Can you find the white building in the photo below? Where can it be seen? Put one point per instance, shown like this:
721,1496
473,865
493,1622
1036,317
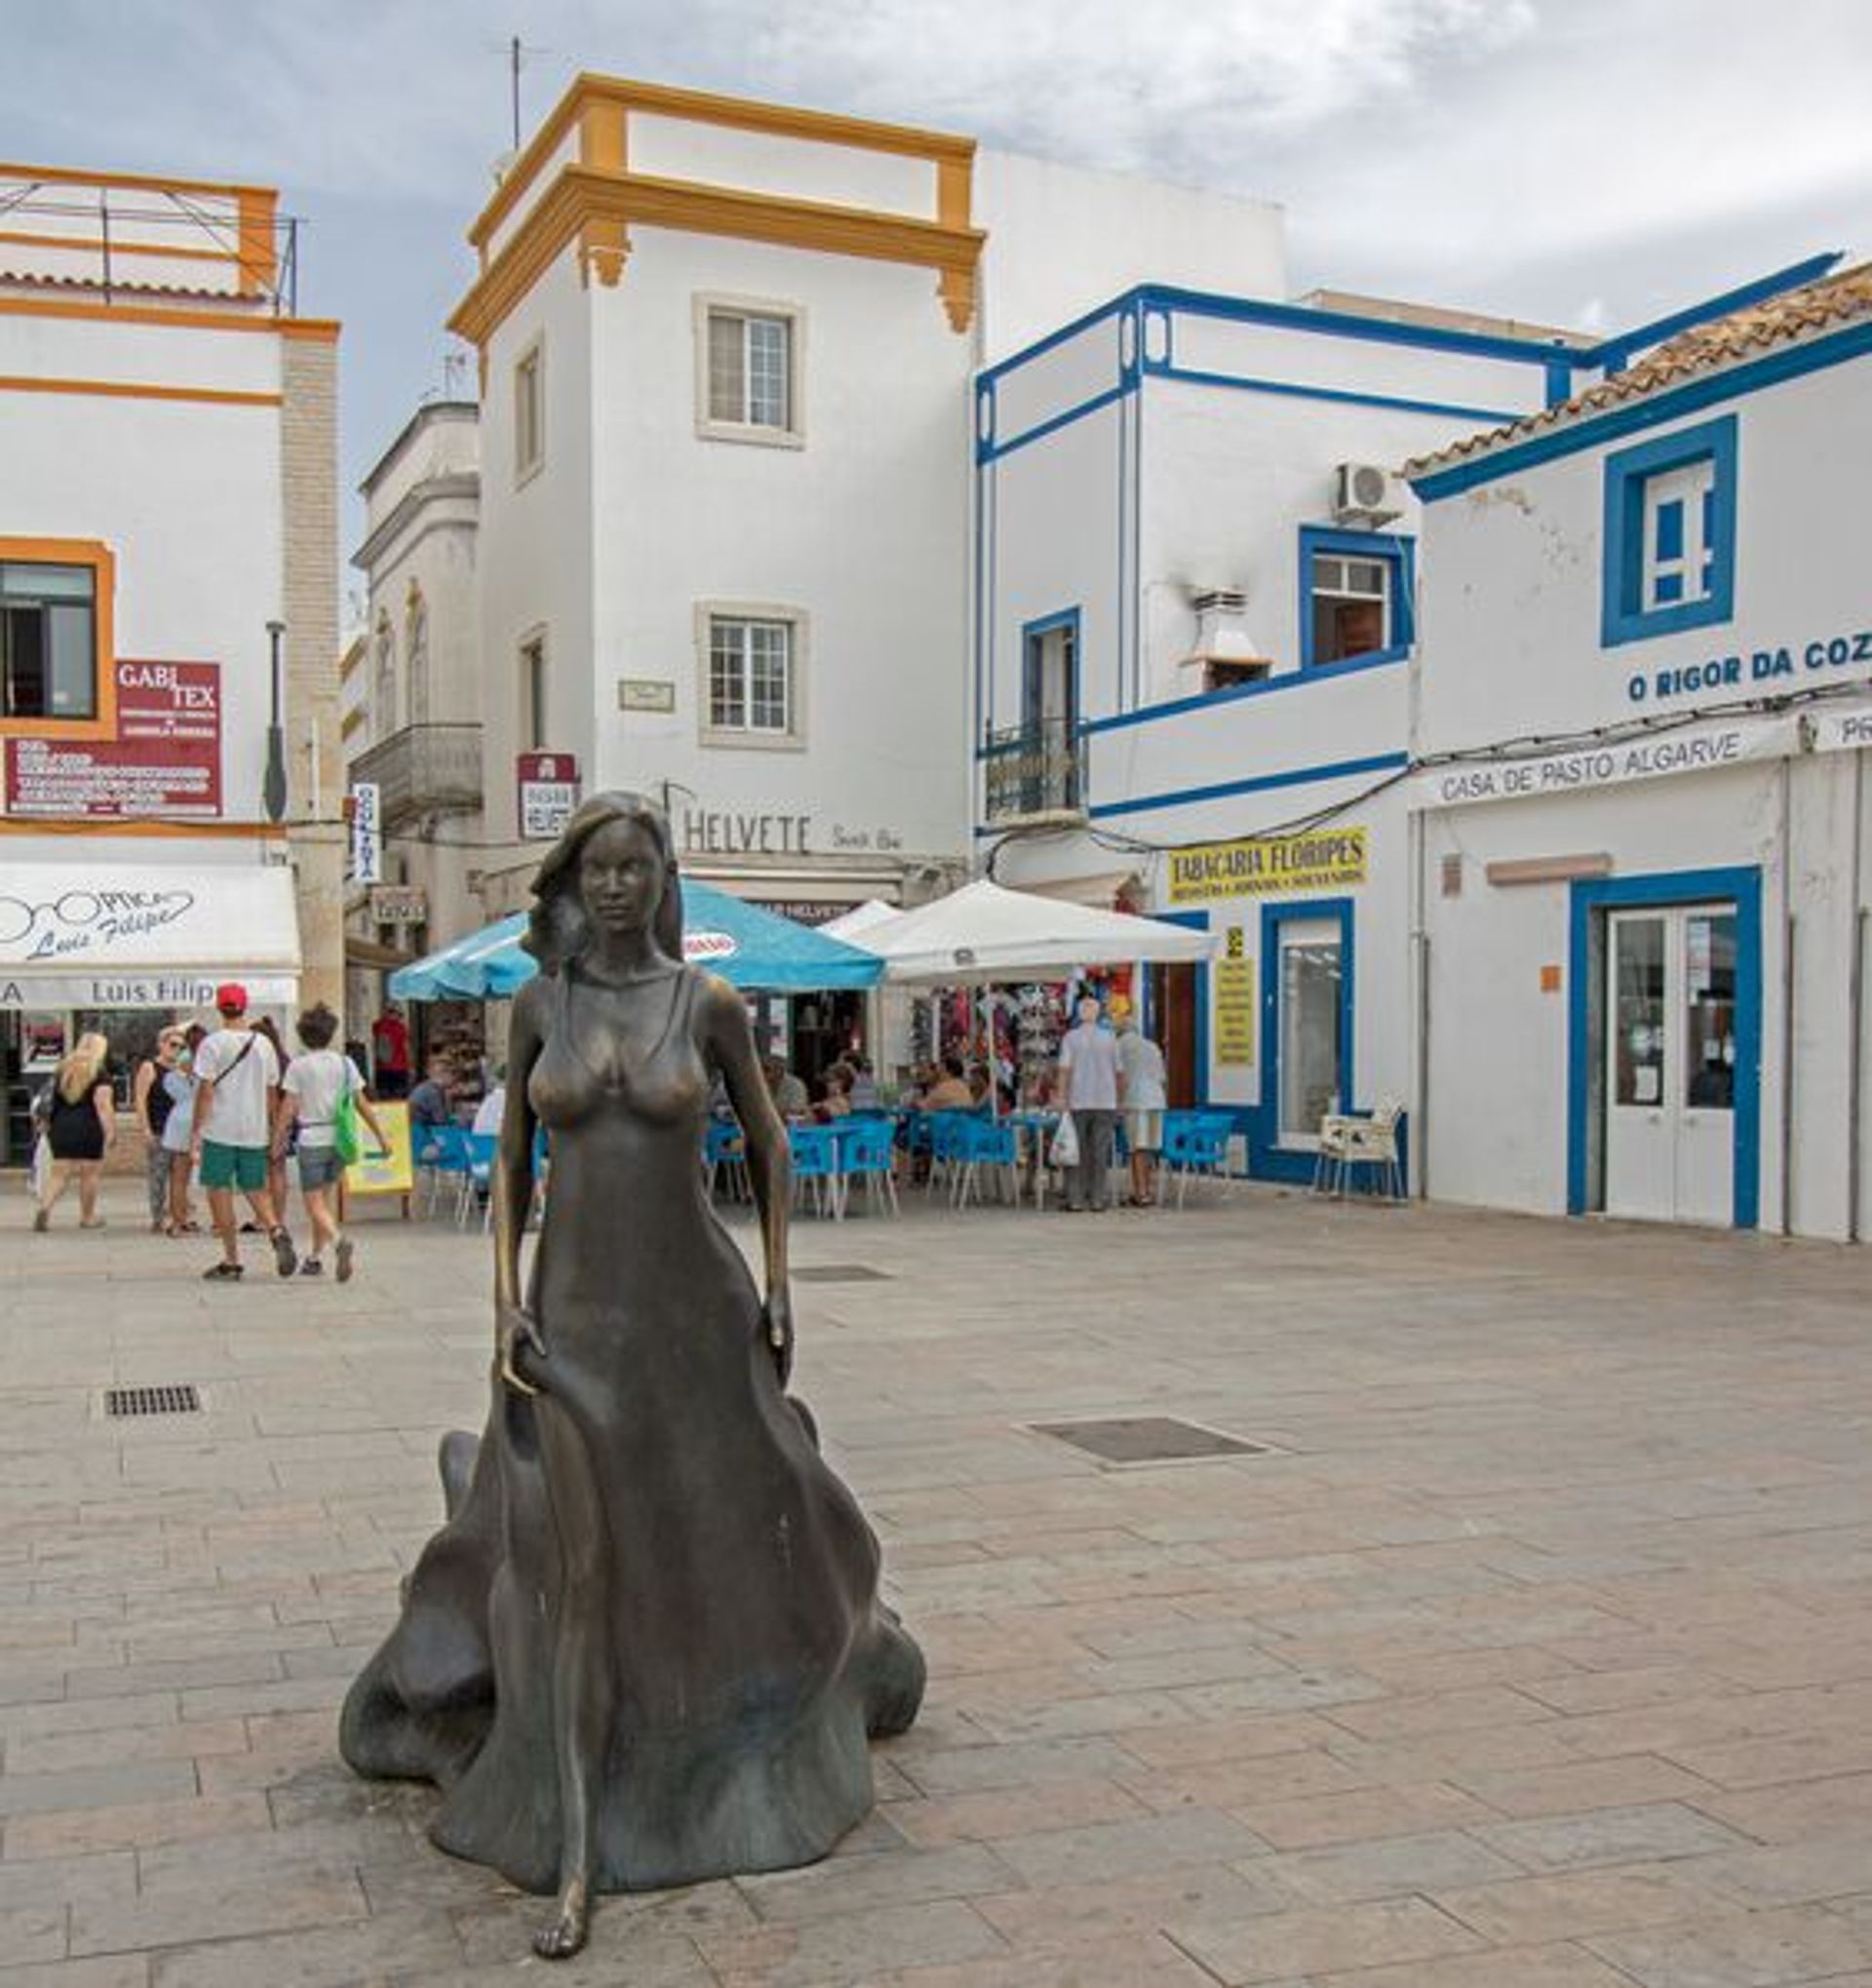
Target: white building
413,693
726,350
167,490
1195,575
1645,924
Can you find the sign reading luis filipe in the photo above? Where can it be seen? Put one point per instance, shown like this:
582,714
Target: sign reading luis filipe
1259,866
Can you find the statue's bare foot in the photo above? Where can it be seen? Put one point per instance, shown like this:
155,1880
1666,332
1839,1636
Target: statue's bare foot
562,1938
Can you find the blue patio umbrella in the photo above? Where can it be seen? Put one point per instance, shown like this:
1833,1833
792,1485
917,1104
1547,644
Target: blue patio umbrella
746,946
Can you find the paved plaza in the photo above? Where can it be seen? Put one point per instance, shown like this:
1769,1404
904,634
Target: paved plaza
1533,1649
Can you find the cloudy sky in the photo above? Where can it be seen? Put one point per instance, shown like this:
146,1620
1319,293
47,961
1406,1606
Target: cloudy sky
1585,162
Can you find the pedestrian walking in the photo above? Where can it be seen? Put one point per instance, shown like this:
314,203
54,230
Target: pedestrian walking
316,1092
178,1130
276,1178
151,1102
81,1124
237,1077
1143,1097
1089,1091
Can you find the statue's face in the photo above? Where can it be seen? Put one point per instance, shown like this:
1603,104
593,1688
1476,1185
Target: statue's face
620,878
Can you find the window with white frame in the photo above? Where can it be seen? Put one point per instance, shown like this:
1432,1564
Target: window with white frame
752,678
533,694
748,359
529,412
1669,551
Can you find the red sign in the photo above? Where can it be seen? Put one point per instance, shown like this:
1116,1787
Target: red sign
548,792
165,758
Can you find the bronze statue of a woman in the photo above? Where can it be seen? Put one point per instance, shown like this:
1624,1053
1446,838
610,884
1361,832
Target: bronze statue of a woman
646,1647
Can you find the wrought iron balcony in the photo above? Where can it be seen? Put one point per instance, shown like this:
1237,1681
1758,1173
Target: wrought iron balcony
424,769
1034,771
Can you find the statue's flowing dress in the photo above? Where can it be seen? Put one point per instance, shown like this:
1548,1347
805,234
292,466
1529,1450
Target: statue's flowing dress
730,1582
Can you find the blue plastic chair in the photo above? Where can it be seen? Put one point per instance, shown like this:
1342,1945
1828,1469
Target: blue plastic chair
987,1143
1196,1142
726,1146
867,1148
947,1132
443,1155
477,1176
815,1158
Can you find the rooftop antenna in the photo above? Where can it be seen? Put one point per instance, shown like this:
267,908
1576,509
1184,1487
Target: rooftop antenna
454,368
516,53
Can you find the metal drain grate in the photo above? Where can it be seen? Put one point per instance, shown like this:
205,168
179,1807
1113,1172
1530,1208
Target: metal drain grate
840,1274
1147,1440
171,1398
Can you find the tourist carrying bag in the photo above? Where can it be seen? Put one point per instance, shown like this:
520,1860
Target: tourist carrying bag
347,1135
1064,1151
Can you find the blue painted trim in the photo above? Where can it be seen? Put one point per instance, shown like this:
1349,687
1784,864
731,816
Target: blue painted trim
1053,340
1398,549
1294,391
993,451
1260,783
1621,618
1742,886
1613,353
1208,700
1371,330
1633,417
1268,1159
1559,384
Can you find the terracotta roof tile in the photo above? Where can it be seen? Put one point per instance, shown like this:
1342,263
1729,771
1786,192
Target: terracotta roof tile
1796,314
192,292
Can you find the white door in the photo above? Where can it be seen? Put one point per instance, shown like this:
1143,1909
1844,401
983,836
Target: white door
1670,1058
1311,1047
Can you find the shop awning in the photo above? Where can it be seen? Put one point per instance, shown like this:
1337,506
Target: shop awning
373,955
78,934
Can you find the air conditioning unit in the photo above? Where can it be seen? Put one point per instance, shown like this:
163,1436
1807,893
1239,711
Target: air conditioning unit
1366,493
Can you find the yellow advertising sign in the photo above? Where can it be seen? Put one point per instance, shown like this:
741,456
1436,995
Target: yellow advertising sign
1235,984
384,1173
1267,866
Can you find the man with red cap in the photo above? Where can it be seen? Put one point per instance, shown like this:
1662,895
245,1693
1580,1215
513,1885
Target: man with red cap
237,1087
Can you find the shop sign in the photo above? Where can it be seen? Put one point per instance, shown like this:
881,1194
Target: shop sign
723,832
646,693
177,992
801,911
400,904
547,794
1266,866
1841,731
1705,749
1234,987
367,833
165,758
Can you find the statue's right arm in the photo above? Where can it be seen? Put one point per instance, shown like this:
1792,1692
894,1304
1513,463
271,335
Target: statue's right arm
512,1183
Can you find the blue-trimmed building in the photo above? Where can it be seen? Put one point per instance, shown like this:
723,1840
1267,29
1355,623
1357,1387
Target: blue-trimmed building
1216,636
1642,927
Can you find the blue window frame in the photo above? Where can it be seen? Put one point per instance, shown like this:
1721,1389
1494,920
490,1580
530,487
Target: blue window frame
1669,551
1357,597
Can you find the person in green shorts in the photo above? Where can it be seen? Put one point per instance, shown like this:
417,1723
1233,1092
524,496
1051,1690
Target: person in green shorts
237,1083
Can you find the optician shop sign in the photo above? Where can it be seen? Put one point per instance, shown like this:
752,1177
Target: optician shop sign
1705,748
1264,866
165,758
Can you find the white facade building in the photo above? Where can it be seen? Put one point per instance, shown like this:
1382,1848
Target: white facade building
1196,584
726,352
1645,925
167,491
413,690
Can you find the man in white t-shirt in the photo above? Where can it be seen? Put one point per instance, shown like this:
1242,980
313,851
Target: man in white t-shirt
237,1077
1089,1090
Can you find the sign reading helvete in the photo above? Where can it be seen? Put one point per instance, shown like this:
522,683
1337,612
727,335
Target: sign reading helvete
400,904
165,758
547,794
1264,866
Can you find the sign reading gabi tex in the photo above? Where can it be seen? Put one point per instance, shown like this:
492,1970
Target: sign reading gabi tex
1262,866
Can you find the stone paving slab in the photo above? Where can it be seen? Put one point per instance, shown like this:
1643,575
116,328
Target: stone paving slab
1535,1653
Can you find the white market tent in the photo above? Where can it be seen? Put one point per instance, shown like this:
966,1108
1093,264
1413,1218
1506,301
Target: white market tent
985,933
851,925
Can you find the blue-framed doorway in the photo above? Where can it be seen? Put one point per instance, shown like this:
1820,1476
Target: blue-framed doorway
1268,1159
1592,900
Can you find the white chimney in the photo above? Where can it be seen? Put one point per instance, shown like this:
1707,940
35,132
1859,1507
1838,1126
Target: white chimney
1223,637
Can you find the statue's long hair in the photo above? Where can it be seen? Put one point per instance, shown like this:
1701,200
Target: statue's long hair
557,929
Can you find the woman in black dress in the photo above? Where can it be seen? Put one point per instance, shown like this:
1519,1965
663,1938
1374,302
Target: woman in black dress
647,1647
81,1125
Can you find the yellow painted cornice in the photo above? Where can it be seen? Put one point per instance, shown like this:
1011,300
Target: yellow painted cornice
589,92
580,196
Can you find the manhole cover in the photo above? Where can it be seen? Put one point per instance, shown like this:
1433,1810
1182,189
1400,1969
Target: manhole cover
1147,1440
840,1274
171,1398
